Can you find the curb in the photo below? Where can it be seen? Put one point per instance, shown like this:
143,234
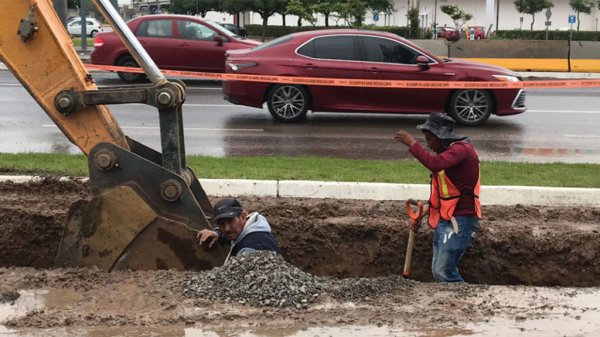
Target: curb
490,195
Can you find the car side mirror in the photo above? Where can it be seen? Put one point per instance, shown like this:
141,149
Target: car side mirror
218,39
423,62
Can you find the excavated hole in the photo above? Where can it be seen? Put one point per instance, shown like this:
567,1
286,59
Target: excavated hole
543,246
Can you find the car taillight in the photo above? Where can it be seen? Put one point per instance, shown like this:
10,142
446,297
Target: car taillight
240,66
98,42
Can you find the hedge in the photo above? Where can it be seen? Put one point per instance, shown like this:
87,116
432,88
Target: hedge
277,31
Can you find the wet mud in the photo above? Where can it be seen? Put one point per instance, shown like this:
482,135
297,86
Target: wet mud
518,253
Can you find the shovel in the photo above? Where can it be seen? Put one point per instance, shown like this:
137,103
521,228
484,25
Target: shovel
415,220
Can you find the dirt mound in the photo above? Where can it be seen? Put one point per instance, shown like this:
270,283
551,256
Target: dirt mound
347,238
546,246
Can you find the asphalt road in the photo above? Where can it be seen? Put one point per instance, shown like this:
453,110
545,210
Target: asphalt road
560,125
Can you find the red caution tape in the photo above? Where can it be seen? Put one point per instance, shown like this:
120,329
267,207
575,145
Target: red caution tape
364,82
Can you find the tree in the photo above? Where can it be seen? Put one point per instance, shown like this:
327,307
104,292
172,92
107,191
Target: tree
413,22
264,8
325,7
303,9
194,7
581,6
353,11
532,7
457,15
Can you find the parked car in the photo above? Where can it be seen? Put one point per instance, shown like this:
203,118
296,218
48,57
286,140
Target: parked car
178,42
241,31
448,33
370,55
478,31
92,27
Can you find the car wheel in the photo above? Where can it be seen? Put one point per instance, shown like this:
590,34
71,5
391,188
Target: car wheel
93,33
471,107
288,103
128,61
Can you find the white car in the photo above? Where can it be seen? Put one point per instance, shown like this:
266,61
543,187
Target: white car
92,27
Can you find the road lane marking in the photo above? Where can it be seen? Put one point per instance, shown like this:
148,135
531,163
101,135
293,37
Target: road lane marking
566,111
582,136
189,129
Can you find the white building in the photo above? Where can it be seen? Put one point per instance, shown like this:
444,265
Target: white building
502,14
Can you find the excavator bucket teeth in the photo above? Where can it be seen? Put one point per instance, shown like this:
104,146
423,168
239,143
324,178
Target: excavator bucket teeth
118,230
127,225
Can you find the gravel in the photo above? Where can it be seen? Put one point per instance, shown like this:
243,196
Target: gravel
266,279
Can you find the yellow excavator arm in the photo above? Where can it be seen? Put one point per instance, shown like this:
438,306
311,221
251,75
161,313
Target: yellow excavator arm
35,46
146,206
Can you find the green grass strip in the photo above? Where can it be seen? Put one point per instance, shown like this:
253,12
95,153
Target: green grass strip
324,169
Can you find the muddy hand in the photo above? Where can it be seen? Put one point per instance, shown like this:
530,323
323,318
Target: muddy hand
405,137
207,235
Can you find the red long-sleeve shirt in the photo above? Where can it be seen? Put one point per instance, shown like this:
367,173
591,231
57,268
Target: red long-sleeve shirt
461,164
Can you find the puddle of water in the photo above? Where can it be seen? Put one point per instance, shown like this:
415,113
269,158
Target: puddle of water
569,312
294,331
36,299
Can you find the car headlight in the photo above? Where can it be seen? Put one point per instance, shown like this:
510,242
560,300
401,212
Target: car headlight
506,78
240,66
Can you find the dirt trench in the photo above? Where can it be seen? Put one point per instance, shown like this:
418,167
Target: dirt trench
516,245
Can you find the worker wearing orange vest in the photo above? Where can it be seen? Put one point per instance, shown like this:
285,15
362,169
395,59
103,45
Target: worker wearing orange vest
454,207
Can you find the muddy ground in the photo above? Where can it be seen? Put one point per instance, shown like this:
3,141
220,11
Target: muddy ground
531,270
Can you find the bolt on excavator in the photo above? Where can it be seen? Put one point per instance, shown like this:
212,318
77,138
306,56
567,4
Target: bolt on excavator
145,206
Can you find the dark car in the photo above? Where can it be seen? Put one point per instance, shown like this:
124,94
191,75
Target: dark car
370,55
448,33
238,30
178,42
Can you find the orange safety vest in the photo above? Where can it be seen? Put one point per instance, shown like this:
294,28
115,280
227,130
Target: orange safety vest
444,197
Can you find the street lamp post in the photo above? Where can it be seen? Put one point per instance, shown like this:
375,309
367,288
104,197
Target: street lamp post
434,33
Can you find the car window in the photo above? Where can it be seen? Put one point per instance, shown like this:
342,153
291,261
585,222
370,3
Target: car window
387,51
274,42
340,47
155,28
221,29
192,30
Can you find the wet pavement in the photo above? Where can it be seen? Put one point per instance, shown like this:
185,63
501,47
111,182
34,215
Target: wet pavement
559,126
582,318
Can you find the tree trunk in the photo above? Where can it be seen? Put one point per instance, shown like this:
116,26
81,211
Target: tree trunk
532,20
299,22
578,22
264,28
327,20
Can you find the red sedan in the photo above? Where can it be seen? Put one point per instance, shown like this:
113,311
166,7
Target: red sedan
178,42
372,55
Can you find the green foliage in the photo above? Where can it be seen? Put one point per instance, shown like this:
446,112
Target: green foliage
304,9
353,12
324,169
458,16
193,7
413,22
264,8
581,6
532,7
277,31
541,35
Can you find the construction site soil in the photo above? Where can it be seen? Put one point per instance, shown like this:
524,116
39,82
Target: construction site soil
531,270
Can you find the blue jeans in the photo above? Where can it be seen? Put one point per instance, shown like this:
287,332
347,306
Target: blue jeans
449,247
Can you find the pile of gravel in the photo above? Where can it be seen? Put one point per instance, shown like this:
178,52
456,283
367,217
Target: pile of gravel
9,297
266,279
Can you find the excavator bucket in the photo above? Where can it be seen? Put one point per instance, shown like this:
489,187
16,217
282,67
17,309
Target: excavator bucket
133,221
145,207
